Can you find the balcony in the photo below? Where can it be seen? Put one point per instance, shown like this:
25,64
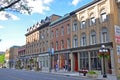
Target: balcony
118,3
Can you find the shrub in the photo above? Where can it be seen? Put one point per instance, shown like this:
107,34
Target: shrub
92,72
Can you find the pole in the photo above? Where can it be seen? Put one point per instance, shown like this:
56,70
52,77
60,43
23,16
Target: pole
104,73
50,62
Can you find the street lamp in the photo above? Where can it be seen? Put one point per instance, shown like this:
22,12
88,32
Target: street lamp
103,52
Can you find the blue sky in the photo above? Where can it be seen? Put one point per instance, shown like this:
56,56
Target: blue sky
12,31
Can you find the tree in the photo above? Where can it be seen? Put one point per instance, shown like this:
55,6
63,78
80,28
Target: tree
21,6
9,7
2,58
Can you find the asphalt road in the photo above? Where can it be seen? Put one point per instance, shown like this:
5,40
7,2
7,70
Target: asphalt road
13,74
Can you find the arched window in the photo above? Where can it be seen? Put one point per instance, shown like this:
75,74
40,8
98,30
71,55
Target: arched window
57,32
83,39
93,38
82,23
92,19
75,41
62,44
104,35
57,45
103,15
68,43
75,26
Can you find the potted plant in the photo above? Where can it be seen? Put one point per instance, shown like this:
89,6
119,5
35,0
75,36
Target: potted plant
92,74
118,78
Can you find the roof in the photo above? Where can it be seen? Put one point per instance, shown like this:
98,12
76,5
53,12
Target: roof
60,19
83,7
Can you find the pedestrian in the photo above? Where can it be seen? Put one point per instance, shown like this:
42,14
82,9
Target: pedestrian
69,67
56,67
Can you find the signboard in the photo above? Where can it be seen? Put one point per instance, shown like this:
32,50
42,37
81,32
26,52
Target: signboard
52,51
117,34
118,50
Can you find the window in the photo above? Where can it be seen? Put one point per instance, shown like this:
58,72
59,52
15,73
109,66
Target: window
93,38
83,39
104,35
42,36
56,32
62,44
46,44
83,24
62,31
75,26
95,61
52,34
92,21
75,42
68,43
52,46
103,17
56,45
84,63
68,29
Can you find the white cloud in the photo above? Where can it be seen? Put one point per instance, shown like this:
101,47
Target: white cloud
39,6
47,1
1,27
75,2
6,16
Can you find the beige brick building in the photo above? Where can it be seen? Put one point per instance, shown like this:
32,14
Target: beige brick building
94,25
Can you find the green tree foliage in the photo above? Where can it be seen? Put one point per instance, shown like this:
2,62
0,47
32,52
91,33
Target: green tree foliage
2,58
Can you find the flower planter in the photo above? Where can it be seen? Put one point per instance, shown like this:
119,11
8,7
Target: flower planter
92,75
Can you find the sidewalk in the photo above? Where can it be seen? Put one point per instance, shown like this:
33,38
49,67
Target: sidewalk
76,74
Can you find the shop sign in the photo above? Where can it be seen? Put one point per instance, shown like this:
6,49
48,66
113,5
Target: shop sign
118,50
117,34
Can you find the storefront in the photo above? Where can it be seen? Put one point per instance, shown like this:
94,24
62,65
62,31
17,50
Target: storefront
87,58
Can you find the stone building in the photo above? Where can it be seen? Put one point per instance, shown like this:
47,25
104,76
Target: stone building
37,43
11,56
93,25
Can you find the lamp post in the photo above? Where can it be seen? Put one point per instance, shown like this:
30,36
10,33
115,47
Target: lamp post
103,52
51,52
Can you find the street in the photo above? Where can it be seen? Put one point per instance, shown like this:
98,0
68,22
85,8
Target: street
13,74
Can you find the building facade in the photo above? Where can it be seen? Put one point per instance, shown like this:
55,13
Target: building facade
11,56
38,43
77,38
60,41
94,25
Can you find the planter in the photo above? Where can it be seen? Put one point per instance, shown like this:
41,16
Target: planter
118,78
92,75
